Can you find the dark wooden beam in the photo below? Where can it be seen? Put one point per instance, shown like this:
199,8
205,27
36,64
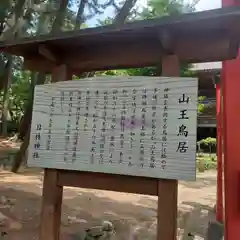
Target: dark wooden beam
140,54
111,182
202,48
47,53
39,64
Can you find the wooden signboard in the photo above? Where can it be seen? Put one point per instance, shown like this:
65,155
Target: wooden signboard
139,126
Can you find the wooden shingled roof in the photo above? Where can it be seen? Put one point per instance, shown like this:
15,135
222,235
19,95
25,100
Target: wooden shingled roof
196,37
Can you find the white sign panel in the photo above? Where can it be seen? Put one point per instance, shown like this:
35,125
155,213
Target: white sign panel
139,126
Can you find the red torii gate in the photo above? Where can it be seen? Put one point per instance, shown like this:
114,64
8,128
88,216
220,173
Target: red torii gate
228,119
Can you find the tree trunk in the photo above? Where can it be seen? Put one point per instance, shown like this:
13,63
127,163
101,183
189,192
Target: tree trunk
6,95
21,153
80,18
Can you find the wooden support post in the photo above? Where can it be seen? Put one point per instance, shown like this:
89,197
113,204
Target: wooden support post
168,189
52,192
61,73
51,206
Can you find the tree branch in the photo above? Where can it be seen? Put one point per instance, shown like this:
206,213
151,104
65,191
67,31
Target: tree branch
80,17
56,27
120,19
124,12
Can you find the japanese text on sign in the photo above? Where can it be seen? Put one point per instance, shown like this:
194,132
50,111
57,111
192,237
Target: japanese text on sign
141,126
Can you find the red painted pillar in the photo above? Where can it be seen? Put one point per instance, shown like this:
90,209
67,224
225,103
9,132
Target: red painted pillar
231,121
219,205
231,143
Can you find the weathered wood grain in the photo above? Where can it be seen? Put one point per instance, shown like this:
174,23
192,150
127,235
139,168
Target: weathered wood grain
67,142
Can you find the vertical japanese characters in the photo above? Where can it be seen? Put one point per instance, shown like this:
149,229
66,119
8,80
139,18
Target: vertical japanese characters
86,101
113,127
182,129
132,124
51,108
103,129
154,126
93,128
76,135
136,128
143,127
164,128
37,144
68,127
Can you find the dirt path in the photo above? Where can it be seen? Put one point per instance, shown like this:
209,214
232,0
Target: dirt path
20,201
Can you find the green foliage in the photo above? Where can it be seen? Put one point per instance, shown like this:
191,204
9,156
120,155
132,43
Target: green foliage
19,94
208,142
206,162
147,71
112,73
159,8
201,106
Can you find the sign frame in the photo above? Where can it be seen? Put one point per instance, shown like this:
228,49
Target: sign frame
158,141
55,180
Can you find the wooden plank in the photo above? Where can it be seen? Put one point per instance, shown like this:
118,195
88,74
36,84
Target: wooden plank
96,135
168,189
111,182
51,206
52,192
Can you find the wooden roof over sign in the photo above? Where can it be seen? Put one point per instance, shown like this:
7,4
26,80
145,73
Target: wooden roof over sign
196,37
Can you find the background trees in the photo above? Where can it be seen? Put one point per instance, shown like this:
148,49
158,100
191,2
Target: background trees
21,18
